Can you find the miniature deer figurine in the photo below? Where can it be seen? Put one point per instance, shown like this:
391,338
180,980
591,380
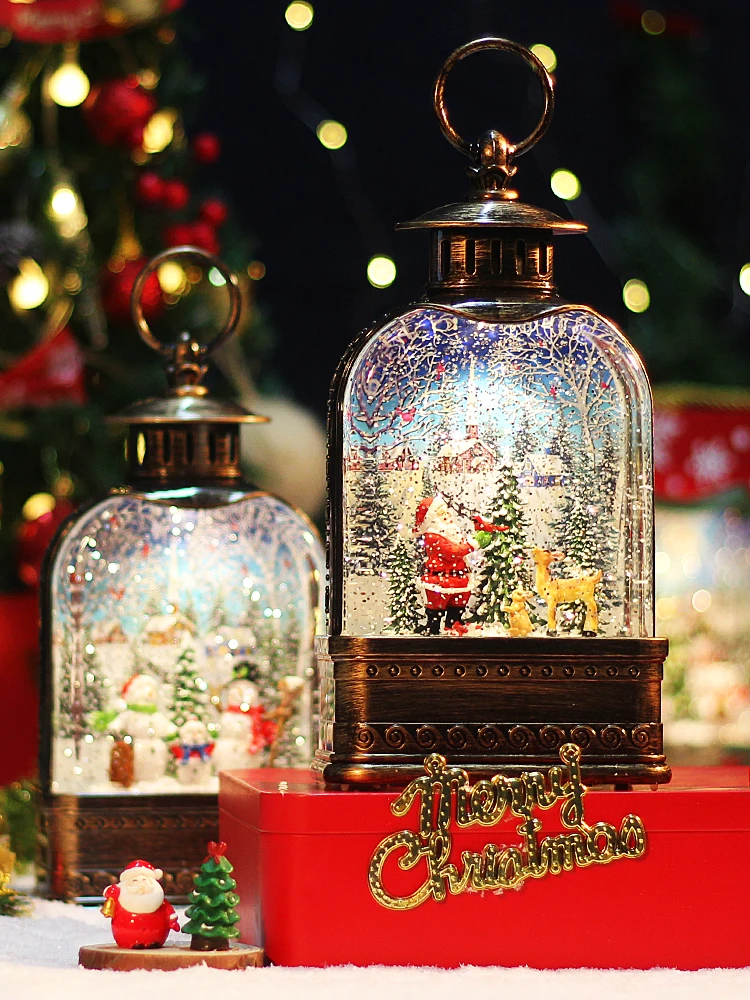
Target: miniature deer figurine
565,591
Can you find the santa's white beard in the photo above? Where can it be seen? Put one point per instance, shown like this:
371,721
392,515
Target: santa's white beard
137,902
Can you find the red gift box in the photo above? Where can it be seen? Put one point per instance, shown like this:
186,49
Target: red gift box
301,854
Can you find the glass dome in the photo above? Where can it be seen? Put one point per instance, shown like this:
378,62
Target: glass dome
453,427
158,607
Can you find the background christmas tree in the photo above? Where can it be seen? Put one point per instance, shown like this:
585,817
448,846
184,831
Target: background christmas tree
90,188
406,605
502,571
212,914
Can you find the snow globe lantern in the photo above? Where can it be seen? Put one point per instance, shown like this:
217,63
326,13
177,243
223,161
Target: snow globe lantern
159,597
490,520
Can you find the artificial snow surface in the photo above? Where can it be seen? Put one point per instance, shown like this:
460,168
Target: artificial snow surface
38,961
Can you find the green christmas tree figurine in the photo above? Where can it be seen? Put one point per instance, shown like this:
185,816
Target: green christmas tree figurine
212,903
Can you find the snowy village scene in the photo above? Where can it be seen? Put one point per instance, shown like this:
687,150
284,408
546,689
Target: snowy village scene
181,644
495,482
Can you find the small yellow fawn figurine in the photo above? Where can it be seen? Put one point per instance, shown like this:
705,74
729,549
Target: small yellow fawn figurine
518,616
565,591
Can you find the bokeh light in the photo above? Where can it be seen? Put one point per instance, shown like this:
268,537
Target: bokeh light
68,86
299,15
331,134
381,271
635,295
546,56
565,185
30,287
745,278
653,22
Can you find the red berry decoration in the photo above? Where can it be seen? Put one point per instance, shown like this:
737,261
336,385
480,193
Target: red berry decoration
117,286
179,235
176,195
117,111
214,212
204,236
206,148
150,188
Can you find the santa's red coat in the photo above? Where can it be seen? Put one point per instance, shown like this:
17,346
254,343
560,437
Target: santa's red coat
140,930
445,568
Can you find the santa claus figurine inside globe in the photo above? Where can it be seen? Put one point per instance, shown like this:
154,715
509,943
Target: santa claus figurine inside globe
447,581
141,917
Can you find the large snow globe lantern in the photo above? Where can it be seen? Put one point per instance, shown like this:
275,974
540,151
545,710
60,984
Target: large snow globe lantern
152,594
490,535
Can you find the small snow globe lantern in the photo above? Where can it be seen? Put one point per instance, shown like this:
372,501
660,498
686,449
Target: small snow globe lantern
156,596
490,527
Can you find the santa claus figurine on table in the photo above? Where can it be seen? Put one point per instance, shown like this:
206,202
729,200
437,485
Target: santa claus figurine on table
446,582
141,918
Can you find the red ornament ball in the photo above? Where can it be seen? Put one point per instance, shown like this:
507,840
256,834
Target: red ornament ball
204,236
214,212
34,538
178,235
117,111
176,195
206,148
116,287
149,188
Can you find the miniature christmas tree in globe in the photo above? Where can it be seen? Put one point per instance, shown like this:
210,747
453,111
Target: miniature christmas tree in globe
212,910
190,697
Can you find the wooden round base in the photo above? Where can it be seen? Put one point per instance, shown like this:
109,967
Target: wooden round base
110,956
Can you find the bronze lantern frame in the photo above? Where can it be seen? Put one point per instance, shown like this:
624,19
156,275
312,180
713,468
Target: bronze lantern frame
486,704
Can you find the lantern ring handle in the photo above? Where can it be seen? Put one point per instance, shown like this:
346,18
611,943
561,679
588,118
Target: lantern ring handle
208,260
504,45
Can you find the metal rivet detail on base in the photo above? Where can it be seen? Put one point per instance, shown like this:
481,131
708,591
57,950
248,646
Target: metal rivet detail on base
437,670
415,671
481,671
590,671
524,671
372,670
459,671
394,671
546,671
502,671
634,671
569,671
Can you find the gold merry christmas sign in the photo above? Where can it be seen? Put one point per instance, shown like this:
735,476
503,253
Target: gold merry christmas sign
444,792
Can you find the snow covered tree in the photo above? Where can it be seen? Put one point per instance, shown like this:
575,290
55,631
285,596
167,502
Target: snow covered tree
371,521
525,442
190,695
504,552
587,533
405,603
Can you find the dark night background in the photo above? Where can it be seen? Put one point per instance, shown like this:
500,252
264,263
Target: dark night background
667,112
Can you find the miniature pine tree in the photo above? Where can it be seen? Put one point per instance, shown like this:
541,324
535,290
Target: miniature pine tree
370,521
586,533
406,606
525,441
212,910
504,553
190,696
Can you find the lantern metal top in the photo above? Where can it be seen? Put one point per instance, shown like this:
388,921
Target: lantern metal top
187,400
491,203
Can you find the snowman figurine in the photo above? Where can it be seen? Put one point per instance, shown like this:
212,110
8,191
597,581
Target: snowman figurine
146,726
193,753
243,731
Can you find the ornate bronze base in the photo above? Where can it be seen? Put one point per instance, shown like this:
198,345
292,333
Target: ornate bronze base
489,705
88,840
